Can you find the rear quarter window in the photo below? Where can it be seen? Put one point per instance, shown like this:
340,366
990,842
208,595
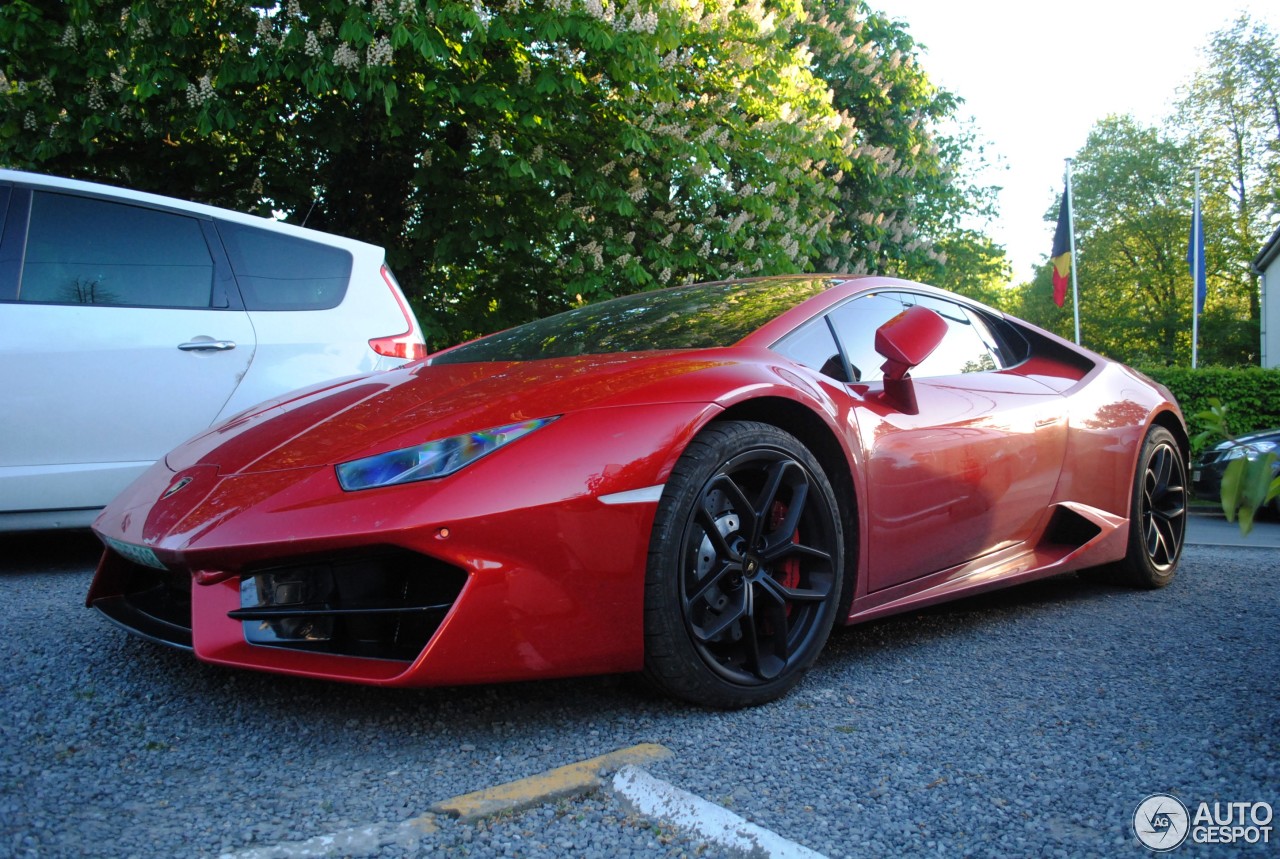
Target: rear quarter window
279,272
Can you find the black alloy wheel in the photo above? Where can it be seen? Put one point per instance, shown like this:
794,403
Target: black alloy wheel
745,568
1162,505
1157,519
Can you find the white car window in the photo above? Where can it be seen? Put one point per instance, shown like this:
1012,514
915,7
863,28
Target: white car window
86,251
277,272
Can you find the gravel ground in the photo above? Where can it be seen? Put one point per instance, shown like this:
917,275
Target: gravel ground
1030,722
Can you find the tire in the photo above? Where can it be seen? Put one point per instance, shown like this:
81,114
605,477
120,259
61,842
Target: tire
1158,517
745,566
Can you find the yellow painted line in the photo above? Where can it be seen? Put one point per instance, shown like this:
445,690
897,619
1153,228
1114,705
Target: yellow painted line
570,780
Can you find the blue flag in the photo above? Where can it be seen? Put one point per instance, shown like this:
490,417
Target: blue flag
1195,255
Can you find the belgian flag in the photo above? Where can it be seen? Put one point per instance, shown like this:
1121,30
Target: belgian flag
1061,255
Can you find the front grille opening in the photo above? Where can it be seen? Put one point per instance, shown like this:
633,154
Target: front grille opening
383,604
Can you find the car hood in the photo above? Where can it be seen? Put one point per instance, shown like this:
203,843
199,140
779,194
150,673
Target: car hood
1261,435
385,411
1267,435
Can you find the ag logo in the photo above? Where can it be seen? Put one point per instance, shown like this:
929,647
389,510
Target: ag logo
1161,822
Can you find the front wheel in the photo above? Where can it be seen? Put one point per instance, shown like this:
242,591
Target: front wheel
744,572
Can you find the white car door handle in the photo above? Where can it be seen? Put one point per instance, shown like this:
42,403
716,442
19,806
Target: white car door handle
207,345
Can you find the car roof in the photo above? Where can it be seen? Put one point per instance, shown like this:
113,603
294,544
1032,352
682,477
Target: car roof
174,204
843,287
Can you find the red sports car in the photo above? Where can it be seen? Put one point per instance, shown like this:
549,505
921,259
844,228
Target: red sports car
696,483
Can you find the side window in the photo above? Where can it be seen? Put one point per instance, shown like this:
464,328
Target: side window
10,244
855,323
963,349
1005,341
279,272
4,206
814,346
86,251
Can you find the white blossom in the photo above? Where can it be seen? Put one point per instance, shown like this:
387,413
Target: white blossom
200,92
382,12
344,57
379,52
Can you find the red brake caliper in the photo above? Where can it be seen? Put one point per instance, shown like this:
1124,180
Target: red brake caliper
788,572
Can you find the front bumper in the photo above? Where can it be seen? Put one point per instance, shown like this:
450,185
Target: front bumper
475,578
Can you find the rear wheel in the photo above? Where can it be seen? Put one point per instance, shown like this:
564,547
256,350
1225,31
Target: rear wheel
1158,516
743,579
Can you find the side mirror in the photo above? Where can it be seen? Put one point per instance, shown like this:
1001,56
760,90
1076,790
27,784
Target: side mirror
907,339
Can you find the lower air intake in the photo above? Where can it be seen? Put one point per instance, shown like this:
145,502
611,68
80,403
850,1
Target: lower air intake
381,604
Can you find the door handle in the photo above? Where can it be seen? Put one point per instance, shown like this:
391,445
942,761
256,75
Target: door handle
207,345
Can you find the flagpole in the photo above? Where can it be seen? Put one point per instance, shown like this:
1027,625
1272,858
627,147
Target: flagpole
1197,226
1075,261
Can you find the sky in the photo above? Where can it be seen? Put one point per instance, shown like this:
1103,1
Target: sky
1035,77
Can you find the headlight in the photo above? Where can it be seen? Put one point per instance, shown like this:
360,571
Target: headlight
1252,449
432,459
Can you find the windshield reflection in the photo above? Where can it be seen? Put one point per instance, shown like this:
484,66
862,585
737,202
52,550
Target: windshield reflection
701,316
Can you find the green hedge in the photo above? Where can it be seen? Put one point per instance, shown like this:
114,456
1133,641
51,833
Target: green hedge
1252,395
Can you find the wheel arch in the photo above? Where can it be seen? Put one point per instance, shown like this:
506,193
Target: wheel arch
1171,421
821,440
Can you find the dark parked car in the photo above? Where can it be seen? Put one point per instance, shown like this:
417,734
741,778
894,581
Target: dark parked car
1212,464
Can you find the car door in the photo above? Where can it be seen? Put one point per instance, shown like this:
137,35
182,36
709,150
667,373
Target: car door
971,468
120,336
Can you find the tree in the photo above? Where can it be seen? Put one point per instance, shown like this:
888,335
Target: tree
906,204
1231,114
514,156
1133,191
1033,301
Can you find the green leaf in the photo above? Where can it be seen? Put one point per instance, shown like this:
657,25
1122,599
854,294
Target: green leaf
1232,487
1256,480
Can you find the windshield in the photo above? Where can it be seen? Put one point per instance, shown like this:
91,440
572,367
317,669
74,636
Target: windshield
702,316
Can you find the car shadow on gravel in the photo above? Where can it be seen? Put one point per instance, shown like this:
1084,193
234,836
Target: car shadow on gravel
49,552
968,615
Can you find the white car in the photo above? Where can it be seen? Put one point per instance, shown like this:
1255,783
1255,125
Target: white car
131,321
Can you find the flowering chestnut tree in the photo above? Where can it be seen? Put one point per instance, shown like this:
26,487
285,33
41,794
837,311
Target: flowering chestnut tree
514,156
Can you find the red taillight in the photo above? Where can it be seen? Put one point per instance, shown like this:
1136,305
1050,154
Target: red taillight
407,344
